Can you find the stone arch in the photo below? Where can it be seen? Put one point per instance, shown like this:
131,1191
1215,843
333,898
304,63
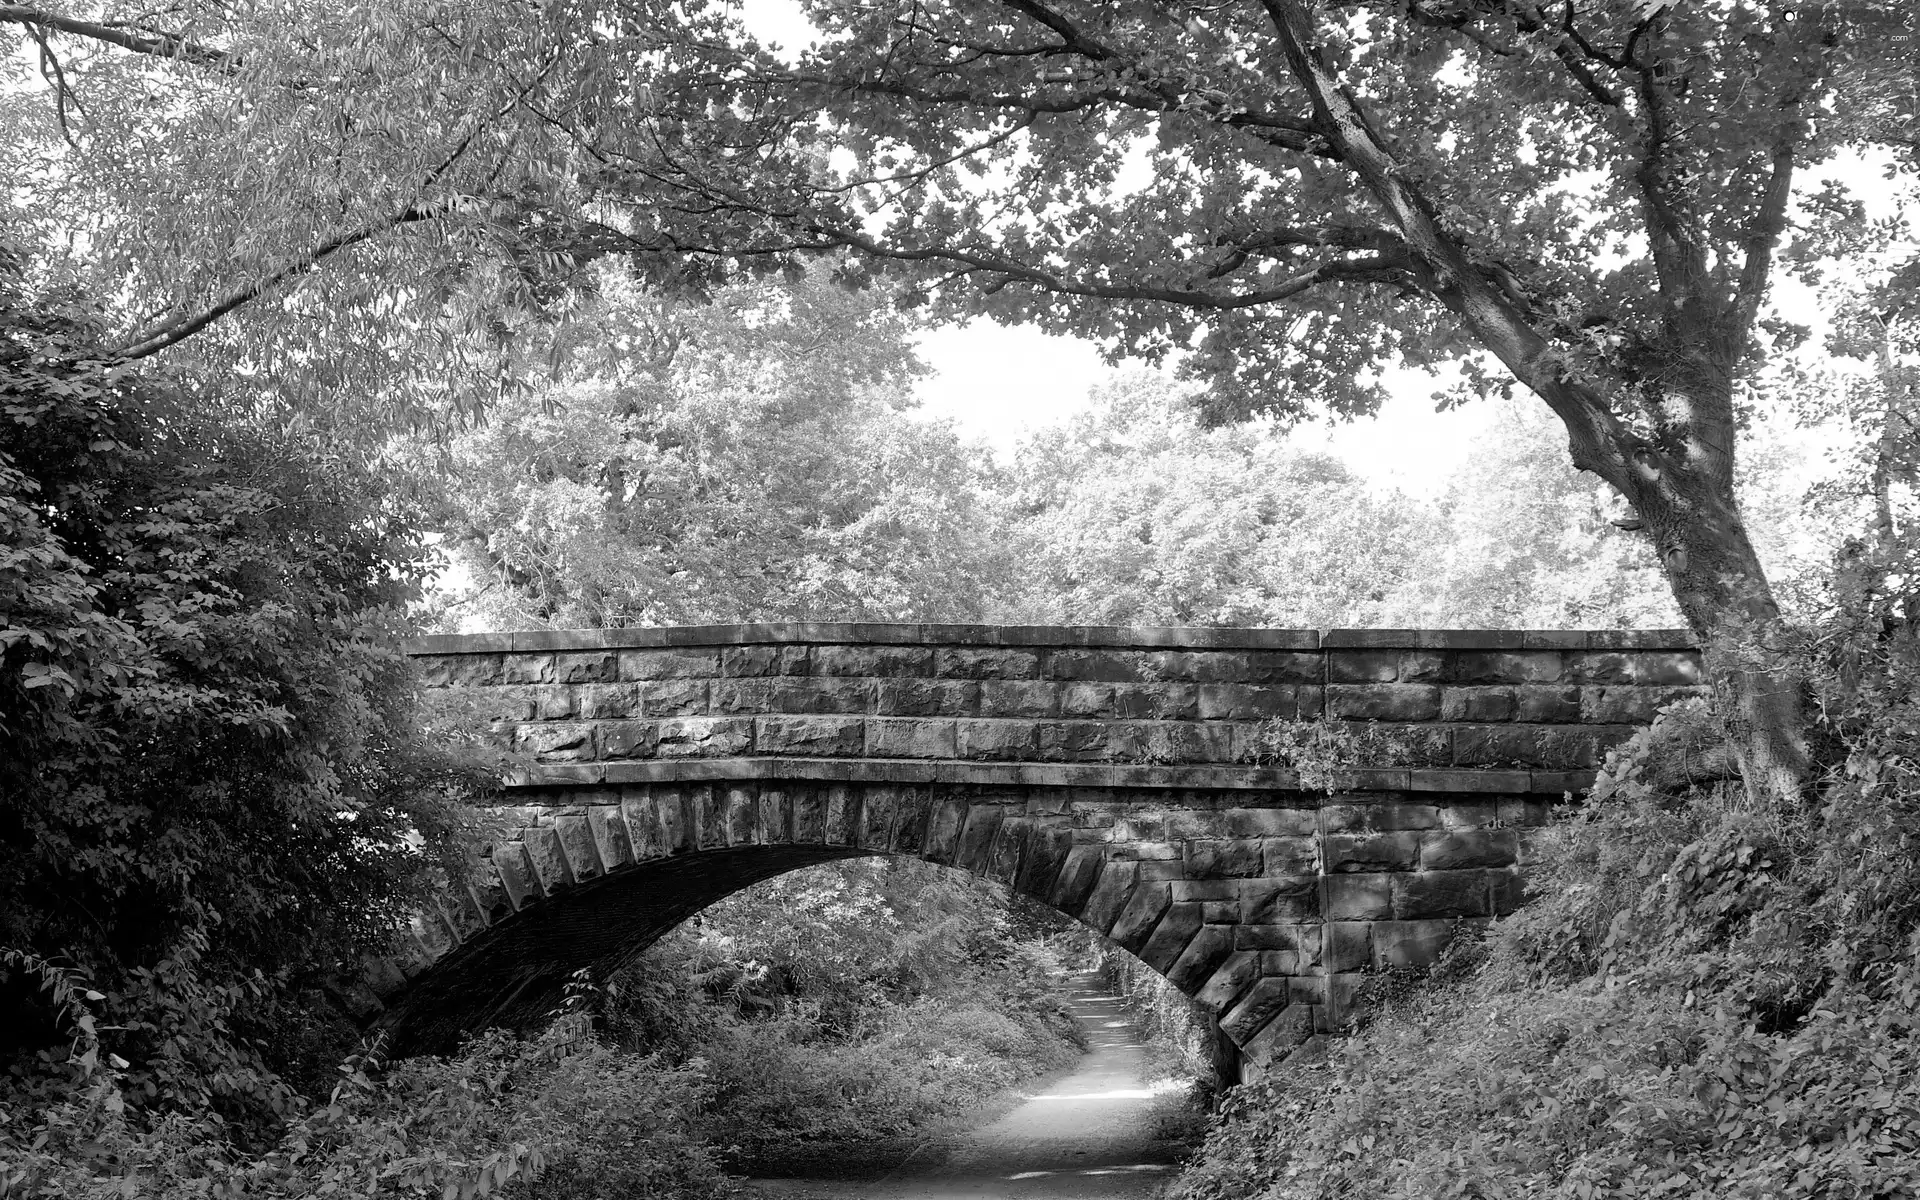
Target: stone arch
1116,775
594,881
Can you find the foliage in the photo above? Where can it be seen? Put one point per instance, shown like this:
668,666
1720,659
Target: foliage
1136,515
752,459
845,1004
209,732
1701,998
561,1115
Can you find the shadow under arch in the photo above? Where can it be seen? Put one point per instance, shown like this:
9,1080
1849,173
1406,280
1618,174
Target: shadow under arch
589,886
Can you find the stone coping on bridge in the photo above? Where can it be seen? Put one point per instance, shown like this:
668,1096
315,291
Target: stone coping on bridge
1192,777
1194,637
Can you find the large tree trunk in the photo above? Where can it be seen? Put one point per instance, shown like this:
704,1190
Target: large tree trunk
1747,646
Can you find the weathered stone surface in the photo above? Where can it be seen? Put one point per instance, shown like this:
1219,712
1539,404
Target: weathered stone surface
1112,774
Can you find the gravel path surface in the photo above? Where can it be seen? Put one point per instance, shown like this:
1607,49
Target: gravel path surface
1086,1134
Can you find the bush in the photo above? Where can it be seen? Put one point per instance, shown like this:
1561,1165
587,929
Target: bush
1702,998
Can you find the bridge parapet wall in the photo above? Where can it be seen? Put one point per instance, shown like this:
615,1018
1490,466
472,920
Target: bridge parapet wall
1126,777
613,706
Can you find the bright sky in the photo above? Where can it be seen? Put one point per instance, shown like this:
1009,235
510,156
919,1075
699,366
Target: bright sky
997,383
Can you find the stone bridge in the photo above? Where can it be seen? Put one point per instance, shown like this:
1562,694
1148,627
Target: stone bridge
1261,815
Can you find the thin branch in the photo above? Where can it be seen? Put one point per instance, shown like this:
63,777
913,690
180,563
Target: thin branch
139,41
183,327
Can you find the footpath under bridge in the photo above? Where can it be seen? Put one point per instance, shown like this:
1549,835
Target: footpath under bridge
1125,777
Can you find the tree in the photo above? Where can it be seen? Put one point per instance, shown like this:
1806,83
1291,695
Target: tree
1136,515
751,459
210,739
1592,195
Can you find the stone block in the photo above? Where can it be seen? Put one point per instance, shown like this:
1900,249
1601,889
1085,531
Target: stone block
827,695
637,807
774,824
746,662
1290,855
672,808
1460,849
887,662
610,838
959,662
517,877
1471,813
1193,890
879,813
1178,925
1383,701
569,741
1347,945
1504,666
1669,668
1291,1027
1268,822
907,738
740,815
601,701
542,846
1223,858
670,662
1506,891
706,816
705,737
1440,894
1379,816
527,668
1546,703
1071,741
576,843
1145,905
1047,850
1109,896
1097,666
1203,955
1411,943
1498,745
1228,980
1018,698
945,820
1422,666
1363,666
458,670
980,739
1143,852
586,666
1077,877
692,697
1088,700
1009,848
1524,812
1609,667
809,812
1280,901
926,697
1261,1003
842,825
832,737
1220,912
1476,704
1172,742
627,739
552,702
1359,897
1245,702
974,849
1348,853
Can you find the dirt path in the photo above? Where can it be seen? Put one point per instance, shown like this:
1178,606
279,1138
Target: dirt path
1085,1134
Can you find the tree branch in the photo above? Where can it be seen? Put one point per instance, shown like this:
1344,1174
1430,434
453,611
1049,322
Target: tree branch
127,37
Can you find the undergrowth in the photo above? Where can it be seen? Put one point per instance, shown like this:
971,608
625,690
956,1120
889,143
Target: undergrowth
1703,998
